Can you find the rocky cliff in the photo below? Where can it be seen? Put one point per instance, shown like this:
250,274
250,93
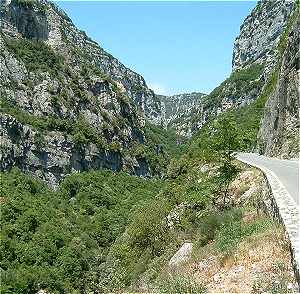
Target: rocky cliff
255,55
43,20
260,34
279,132
67,105
176,111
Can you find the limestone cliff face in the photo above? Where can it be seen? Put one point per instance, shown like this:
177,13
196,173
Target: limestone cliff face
279,132
255,55
260,33
42,20
177,109
67,105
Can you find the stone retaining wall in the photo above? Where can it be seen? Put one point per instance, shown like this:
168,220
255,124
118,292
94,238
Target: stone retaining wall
281,206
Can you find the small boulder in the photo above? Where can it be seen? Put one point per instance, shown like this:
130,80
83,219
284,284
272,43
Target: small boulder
204,168
248,194
182,255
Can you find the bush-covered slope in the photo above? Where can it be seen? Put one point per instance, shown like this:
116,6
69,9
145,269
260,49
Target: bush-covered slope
58,240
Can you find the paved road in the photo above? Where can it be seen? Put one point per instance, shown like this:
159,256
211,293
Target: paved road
286,170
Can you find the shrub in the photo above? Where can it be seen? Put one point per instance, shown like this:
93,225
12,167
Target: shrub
36,55
79,138
138,150
115,146
149,228
209,225
250,73
179,284
177,167
56,240
39,139
55,101
230,234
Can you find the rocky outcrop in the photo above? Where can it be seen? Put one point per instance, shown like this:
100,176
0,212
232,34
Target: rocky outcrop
182,255
66,104
52,155
279,132
177,109
260,34
254,56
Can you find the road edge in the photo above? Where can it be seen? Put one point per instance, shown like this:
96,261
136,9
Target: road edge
286,210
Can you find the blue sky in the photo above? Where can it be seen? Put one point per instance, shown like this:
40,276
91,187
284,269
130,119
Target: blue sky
178,47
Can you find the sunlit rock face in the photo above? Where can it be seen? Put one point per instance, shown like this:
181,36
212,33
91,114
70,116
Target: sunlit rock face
279,132
255,55
260,33
178,109
68,105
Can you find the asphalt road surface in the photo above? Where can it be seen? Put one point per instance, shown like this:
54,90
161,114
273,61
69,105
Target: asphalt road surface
286,170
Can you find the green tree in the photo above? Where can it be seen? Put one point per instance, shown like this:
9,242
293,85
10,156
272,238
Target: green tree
149,228
226,140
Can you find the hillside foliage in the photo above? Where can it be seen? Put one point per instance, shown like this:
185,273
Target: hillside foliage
57,240
102,230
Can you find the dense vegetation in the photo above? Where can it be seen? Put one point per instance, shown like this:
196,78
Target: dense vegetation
57,240
36,55
238,84
75,238
61,240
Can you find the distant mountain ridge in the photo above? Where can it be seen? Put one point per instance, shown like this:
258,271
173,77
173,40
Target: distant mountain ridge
177,109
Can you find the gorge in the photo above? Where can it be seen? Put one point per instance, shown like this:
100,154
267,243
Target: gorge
104,181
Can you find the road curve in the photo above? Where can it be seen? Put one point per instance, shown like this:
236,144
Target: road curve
287,171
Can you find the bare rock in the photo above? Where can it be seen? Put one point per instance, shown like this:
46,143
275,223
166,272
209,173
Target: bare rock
279,132
182,255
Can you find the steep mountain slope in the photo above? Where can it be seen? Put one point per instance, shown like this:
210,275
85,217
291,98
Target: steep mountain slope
260,34
179,108
279,132
43,20
254,56
67,105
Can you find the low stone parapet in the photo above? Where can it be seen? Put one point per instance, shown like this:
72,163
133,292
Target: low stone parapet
282,206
